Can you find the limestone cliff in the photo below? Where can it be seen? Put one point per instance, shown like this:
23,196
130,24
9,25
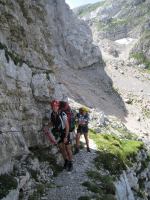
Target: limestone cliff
36,39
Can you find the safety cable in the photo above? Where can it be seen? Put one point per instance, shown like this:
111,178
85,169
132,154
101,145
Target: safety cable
8,131
18,131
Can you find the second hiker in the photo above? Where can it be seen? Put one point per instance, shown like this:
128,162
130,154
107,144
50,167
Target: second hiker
82,128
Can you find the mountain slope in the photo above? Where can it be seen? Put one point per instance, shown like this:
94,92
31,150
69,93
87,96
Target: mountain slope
115,20
121,30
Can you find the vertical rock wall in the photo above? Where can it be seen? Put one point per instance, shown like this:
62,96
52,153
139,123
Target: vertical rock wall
36,38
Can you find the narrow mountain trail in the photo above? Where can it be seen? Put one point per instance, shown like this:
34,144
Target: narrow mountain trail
68,185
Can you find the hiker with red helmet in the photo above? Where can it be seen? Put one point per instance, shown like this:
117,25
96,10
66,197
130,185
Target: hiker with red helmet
60,126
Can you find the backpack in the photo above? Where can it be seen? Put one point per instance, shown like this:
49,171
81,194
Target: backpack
64,107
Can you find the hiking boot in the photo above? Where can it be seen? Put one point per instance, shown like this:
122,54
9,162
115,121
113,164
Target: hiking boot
70,166
76,151
65,164
88,149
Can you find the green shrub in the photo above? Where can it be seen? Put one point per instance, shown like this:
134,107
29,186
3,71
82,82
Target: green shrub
114,153
7,183
142,59
106,181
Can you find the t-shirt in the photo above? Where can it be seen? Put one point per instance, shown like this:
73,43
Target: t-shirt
82,119
58,120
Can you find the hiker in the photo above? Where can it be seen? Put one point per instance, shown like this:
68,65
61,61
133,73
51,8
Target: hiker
60,125
82,128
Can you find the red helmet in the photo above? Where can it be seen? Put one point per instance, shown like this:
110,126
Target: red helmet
54,103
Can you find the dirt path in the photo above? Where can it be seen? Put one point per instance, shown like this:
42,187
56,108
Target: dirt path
68,185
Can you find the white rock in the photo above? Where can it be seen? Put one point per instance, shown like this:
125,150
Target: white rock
24,180
133,181
13,195
123,189
24,74
41,87
11,70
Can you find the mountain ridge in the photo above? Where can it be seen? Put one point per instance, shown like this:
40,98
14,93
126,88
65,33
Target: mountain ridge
115,20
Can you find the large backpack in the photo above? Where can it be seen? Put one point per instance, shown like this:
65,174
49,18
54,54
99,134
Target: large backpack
64,107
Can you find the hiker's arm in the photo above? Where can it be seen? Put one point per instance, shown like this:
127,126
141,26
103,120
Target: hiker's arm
65,120
66,131
66,128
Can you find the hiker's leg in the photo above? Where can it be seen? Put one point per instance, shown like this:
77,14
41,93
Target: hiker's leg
78,140
69,151
68,148
64,154
86,139
85,132
63,151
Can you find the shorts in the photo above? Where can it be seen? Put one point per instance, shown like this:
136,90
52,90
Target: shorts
62,136
82,129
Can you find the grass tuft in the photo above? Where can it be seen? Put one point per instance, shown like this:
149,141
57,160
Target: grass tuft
114,153
7,183
142,59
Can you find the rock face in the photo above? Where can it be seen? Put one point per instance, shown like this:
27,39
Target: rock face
36,39
135,180
141,51
115,20
40,31
123,190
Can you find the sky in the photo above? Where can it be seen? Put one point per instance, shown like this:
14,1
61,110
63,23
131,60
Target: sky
76,3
